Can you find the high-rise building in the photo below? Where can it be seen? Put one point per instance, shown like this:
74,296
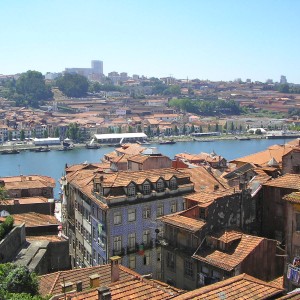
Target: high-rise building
283,79
95,70
97,66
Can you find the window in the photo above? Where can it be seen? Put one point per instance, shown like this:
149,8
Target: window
117,218
146,237
131,215
297,222
131,240
173,184
131,190
188,268
117,243
147,258
202,213
146,188
160,186
94,233
99,259
131,261
160,209
171,261
146,212
173,207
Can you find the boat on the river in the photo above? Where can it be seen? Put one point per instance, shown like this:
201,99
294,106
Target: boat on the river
245,138
167,142
12,151
92,146
42,149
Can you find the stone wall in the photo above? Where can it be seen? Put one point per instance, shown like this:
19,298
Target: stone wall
12,242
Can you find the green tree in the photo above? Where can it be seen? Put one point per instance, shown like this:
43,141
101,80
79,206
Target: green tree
217,127
157,131
22,135
176,131
184,129
31,89
45,134
3,193
149,133
193,128
201,129
231,127
139,128
56,132
73,131
10,136
73,85
284,88
18,279
130,130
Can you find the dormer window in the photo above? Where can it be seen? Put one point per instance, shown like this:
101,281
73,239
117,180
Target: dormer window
146,188
160,186
131,190
173,184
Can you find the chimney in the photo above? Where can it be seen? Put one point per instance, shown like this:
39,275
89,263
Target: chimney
79,286
114,265
104,293
66,287
94,280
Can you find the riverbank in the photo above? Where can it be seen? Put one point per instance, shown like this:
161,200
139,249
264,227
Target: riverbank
29,146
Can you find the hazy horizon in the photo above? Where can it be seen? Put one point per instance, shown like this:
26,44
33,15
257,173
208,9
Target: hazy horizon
214,40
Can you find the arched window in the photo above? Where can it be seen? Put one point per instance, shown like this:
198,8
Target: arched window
160,186
173,183
131,190
146,188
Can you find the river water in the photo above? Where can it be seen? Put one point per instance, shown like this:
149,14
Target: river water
53,163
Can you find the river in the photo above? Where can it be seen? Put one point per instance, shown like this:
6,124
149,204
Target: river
52,163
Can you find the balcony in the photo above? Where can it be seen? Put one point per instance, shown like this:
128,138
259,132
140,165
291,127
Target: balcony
120,252
174,246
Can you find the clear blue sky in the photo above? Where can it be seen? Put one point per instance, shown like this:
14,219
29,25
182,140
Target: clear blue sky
205,39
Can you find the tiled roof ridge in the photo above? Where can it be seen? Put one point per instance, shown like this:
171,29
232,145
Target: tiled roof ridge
55,281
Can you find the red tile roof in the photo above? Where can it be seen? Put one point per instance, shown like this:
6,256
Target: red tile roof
238,287
293,197
136,288
181,221
27,182
287,181
51,283
229,260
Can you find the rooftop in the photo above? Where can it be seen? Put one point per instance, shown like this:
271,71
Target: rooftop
263,158
51,283
293,197
229,260
27,182
136,288
238,287
287,181
181,221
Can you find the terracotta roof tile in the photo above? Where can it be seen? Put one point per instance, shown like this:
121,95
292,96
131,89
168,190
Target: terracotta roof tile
262,158
205,180
238,287
51,283
206,198
229,260
33,219
181,221
293,197
30,181
288,181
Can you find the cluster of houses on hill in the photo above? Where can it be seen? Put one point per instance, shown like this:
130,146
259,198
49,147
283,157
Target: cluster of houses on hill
196,223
